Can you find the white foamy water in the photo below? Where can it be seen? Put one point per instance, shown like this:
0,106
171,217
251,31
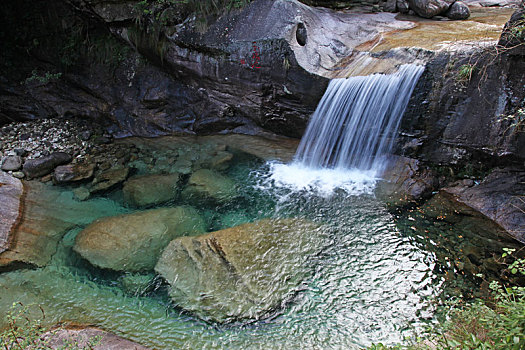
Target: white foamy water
324,181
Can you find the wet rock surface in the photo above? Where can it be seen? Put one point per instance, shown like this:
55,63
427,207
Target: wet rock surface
405,182
243,272
73,173
133,242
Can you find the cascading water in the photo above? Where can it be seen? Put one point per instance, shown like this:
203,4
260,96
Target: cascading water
354,124
350,133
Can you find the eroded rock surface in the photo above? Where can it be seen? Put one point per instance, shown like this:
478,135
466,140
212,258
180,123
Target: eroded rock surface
242,272
133,242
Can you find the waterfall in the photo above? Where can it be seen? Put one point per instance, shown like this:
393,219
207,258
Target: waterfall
356,121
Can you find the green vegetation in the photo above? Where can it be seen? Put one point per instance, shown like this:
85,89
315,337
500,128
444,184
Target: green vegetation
25,330
103,49
517,30
495,324
517,120
465,73
42,79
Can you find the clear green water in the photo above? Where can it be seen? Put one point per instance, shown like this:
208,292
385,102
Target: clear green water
378,277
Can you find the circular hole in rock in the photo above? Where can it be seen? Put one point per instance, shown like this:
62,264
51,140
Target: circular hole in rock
301,35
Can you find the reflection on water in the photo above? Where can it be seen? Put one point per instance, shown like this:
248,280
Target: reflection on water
376,279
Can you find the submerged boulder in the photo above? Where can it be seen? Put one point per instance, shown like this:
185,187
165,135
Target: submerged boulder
149,190
133,242
240,272
211,185
73,173
109,179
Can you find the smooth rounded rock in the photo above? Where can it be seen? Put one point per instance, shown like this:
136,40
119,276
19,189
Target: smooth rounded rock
45,165
429,8
11,163
458,10
211,185
149,190
243,272
133,242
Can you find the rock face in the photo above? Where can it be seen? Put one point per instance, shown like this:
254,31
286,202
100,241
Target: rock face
241,272
498,198
209,184
11,191
461,123
458,10
429,8
405,181
45,165
35,217
133,242
142,191
221,79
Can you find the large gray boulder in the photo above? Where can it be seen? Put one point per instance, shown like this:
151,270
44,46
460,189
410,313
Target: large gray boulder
11,163
242,272
429,8
133,242
45,165
11,191
458,10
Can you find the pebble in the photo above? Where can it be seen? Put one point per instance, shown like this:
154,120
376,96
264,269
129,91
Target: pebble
18,174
